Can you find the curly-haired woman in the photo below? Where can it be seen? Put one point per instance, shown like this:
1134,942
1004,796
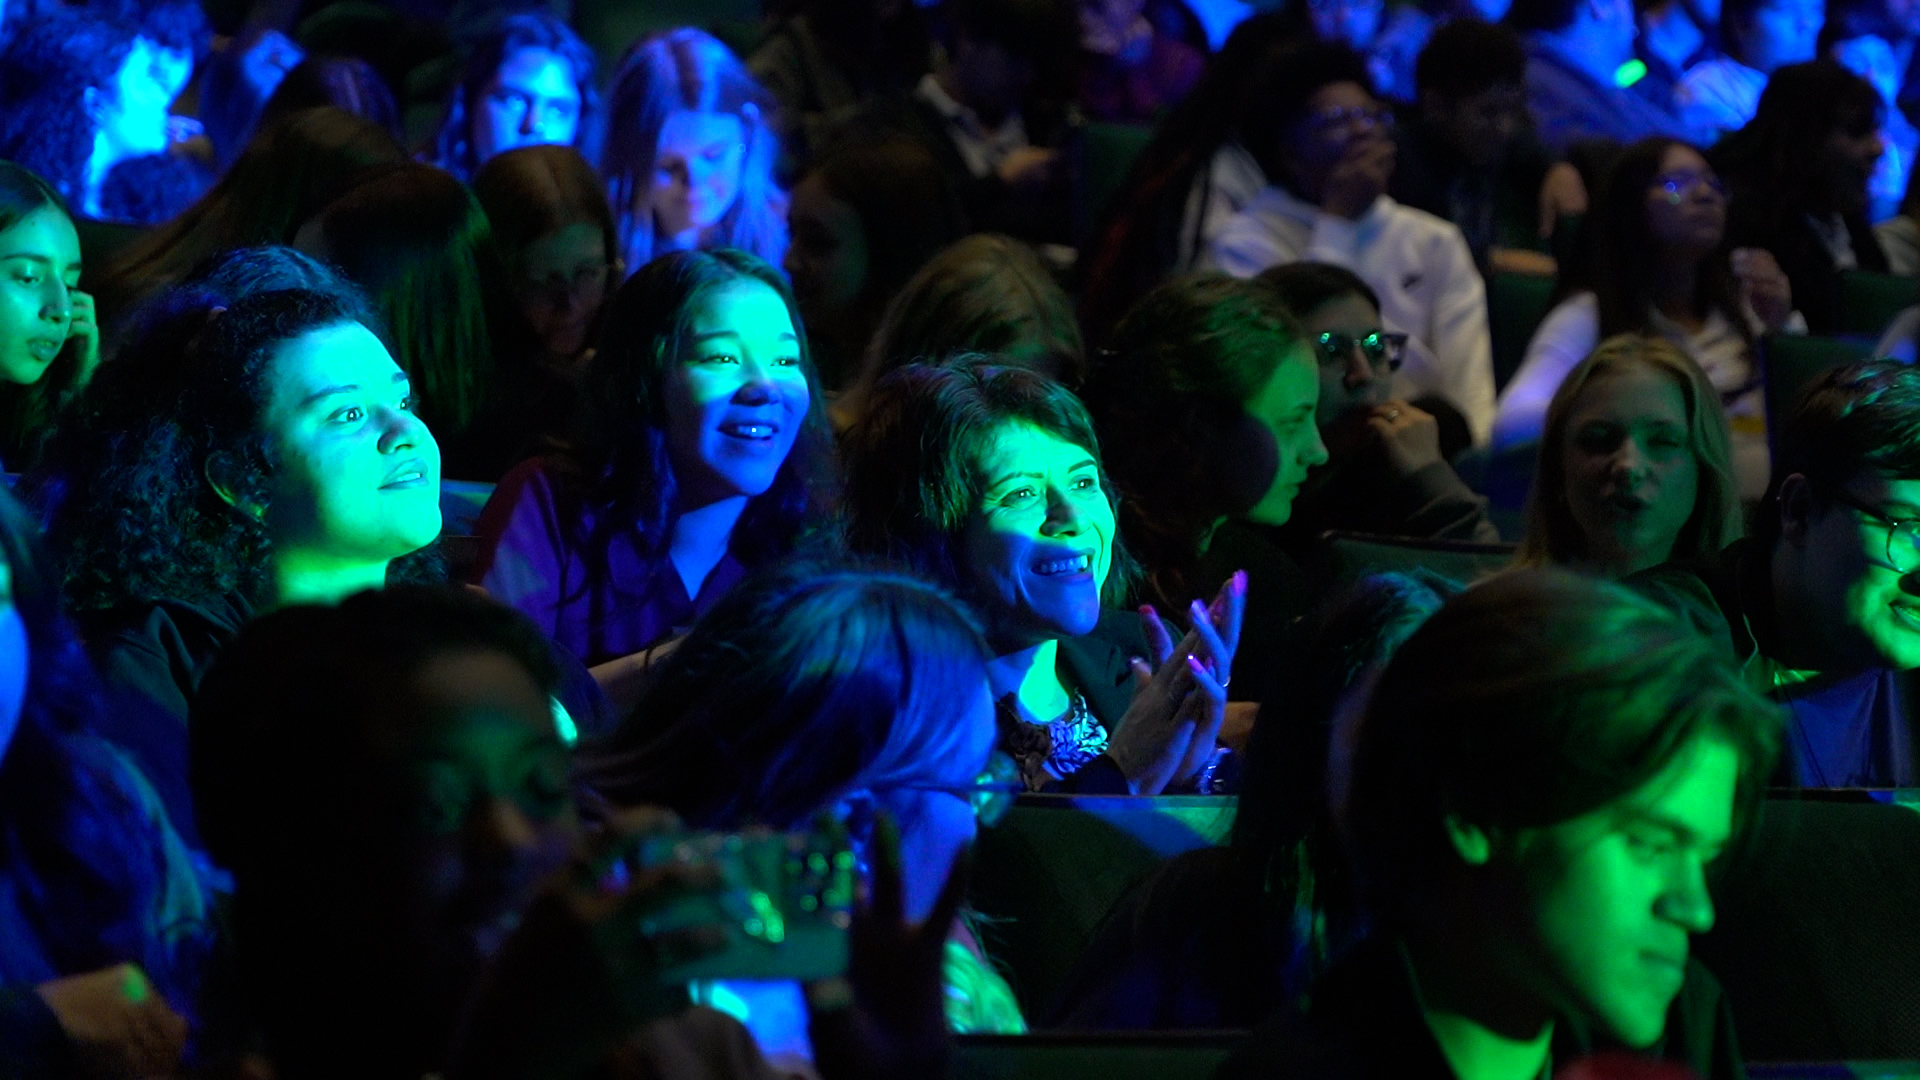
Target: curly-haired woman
237,458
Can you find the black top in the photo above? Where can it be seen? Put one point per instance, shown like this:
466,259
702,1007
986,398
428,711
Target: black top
1365,1023
1497,207
1754,219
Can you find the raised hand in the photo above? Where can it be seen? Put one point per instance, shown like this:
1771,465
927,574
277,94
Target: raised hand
1763,286
1179,701
887,1018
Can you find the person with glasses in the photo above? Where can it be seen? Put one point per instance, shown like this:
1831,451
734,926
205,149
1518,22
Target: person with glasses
1821,606
826,689
1321,137
1635,468
1661,267
1385,471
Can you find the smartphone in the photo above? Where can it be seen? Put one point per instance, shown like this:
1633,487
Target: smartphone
786,901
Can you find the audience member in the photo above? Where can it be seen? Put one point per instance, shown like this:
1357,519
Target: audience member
347,83
1409,29
1207,404
1129,72
290,172
1225,937
417,241
239,456
528,81
447,907
79,94
238,83
1385,472
817,690
824,59
1540,781
1661,267
1466,151
1815,605
1352,24
983,115
702,452
1798,174
178,30
1634,464
1575,48
1675,35
105,916
1759,36
864,219
1325,150
1192,177
1874,59
987,478
986,293
49,335
690,152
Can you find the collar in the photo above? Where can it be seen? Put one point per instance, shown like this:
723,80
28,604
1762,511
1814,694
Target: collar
955,113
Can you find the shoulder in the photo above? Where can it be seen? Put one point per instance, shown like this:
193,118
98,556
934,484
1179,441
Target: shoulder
1576,316
1705,594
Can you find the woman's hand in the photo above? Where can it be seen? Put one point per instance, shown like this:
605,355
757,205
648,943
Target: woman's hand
83,336
1179,703
1763,287
887,1018
1562,194
118,1024
583,968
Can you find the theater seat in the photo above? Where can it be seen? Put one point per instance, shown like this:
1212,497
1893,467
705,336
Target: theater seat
1516,304
1349,556
1817,941
1793,361
1048,874
1107,154
1171,1056
1869,301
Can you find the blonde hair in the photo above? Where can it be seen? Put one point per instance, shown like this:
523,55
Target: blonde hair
1553,537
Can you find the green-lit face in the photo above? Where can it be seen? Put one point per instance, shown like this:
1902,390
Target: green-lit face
1611,897
359,476
1629,471
1284,441
1037,548
1866,612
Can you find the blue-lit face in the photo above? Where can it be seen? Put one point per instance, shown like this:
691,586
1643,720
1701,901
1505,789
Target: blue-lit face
696,170
533,100
1038,545
736,395
131,112
359,475
1783,32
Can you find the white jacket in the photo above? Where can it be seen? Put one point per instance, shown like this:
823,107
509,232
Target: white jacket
1418,263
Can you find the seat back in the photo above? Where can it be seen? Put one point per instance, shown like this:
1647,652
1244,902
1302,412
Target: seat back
1107,154
1047,875
1793,362
1351,556
1091,1056
1516,304
1869,301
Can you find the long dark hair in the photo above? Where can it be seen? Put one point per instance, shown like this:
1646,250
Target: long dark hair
26,411
147,525
618,468
289,173
1624,246
83,859
798,686
1776,162
453,147
417,241
1185,361
1137,242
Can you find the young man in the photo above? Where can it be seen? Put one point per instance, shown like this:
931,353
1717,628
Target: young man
1313,123
1821,606
1574,50
1467,151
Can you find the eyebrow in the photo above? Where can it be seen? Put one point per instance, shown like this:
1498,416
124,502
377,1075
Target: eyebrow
399,377
36,258
1686,833
785,335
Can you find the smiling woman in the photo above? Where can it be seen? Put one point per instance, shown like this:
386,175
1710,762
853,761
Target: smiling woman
703,453
987,478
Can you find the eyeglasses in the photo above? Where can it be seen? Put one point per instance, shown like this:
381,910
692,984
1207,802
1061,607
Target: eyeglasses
1678,184
991,793
1382,349
1903,537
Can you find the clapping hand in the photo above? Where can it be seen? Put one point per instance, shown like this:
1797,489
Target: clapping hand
1180,700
